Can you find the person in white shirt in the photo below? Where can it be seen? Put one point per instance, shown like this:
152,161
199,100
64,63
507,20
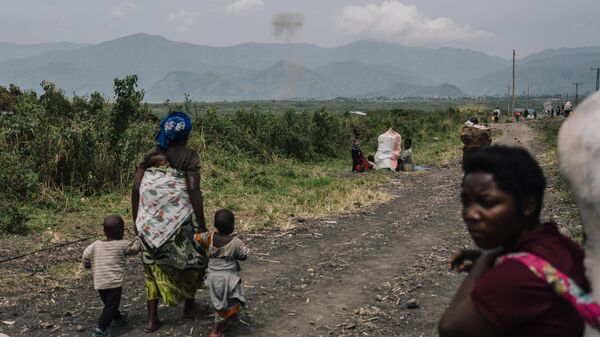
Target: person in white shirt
496,115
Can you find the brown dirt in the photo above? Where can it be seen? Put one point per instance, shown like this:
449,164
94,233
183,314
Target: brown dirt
350,276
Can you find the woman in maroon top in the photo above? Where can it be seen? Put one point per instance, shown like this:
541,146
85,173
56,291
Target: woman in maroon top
502,195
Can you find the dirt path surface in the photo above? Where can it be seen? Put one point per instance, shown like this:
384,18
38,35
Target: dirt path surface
381,272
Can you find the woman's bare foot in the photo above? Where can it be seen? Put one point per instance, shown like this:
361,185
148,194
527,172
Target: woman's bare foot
153,326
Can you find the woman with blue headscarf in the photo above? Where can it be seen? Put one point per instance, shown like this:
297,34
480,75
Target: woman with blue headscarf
164,199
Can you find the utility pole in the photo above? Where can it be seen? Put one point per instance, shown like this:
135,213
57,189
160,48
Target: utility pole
513,84
576,84
508,102
597,78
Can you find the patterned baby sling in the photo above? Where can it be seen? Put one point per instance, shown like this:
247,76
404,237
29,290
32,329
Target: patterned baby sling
164,205
561,284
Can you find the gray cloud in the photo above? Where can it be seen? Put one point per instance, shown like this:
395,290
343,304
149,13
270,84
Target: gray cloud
286,25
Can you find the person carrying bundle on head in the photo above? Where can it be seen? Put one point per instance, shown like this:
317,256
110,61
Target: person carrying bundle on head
474,136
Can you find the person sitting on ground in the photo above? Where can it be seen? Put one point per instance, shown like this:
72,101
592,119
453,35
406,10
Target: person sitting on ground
224,250
405,160
513,284
474,136
356,148
107,260
371,160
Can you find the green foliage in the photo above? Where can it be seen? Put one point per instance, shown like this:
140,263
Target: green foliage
127,107
96,103
293,136
54,101
326,130
8,97
67,145
304,136
57,150
80,104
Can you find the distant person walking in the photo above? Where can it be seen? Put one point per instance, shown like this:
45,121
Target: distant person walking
568,108
474,136
496,115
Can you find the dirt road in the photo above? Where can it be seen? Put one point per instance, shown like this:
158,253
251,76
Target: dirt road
381,272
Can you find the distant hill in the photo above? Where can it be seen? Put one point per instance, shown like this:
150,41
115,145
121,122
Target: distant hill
10,51
400,90
356,78
549,72
550,53
283,80
439,65
168,69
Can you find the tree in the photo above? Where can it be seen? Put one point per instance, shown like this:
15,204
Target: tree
127,107
96,103
80,104
54,101
9,97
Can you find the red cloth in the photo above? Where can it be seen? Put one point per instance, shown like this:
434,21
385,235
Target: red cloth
519,303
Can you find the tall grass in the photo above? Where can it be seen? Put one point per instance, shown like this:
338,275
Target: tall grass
265,164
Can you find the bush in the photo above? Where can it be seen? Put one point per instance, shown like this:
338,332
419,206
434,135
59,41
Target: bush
87,147
67,145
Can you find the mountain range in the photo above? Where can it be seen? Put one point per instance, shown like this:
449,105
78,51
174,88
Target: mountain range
168,69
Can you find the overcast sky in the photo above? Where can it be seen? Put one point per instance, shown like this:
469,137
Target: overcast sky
493,27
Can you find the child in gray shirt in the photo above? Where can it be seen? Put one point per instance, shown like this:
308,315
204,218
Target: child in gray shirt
107,259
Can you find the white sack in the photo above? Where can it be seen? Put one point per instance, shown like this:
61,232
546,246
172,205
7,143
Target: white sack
388,149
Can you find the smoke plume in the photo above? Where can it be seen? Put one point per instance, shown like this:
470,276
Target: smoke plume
286,25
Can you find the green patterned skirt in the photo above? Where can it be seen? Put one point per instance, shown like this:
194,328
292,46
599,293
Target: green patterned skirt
170,284
174,271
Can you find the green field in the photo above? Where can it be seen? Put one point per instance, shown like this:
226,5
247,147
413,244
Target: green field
69,161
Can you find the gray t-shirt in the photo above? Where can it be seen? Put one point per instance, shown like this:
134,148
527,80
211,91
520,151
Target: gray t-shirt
108,260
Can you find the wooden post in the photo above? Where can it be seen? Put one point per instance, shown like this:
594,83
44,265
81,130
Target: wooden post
513,84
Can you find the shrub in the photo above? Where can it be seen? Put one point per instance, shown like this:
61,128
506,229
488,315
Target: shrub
67,145
87,147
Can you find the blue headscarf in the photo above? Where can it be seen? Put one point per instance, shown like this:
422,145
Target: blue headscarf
177,125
